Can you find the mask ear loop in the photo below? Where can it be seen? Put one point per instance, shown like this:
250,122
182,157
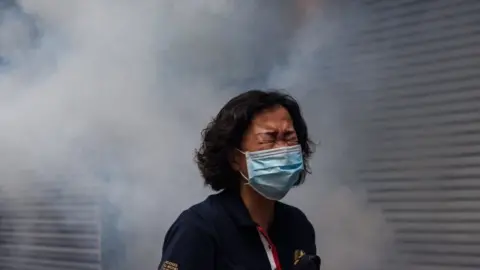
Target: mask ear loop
244,177
245,153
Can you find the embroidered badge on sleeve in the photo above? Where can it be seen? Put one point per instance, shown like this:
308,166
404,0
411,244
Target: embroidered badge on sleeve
169,266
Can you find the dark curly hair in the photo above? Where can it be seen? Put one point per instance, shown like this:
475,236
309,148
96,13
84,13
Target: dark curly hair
225,133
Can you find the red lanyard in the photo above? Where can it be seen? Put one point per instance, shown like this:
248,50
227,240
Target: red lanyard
274,249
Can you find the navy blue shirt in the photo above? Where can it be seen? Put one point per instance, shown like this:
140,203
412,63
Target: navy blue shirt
218,234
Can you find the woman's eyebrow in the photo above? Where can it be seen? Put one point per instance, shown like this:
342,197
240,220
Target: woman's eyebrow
274,134
268,133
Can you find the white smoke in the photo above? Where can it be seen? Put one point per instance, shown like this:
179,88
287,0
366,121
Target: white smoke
120,90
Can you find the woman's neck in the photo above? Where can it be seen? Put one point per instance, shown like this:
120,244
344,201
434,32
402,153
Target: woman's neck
261,209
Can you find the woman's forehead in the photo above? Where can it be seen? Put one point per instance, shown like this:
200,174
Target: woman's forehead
277,114
277,119
264,127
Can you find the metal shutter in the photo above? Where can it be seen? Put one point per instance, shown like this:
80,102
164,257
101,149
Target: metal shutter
424,168
47,227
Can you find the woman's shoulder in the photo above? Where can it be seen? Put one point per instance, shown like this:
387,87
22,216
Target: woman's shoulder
291,210
199,215
294,214
202,209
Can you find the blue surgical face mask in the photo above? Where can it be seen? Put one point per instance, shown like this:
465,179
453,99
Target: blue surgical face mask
272,173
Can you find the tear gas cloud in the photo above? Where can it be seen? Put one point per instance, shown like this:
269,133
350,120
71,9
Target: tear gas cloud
114,94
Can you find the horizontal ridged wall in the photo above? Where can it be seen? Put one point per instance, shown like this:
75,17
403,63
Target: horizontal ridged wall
49,228
424,167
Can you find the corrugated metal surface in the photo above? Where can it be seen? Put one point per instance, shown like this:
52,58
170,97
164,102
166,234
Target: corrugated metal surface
44,227
424,168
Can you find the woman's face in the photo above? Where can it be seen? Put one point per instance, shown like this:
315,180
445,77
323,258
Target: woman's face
269,129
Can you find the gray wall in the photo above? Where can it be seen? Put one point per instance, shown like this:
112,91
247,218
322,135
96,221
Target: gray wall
36,233
423,165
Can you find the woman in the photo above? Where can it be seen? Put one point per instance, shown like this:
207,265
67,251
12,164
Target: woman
254,151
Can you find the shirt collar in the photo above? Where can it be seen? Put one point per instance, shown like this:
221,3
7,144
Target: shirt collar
233,204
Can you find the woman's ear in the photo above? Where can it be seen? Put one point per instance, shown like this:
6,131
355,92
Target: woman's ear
233,159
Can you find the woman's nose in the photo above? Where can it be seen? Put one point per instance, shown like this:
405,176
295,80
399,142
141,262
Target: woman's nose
281,143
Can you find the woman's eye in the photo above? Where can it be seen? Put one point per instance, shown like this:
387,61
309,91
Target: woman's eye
292,139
